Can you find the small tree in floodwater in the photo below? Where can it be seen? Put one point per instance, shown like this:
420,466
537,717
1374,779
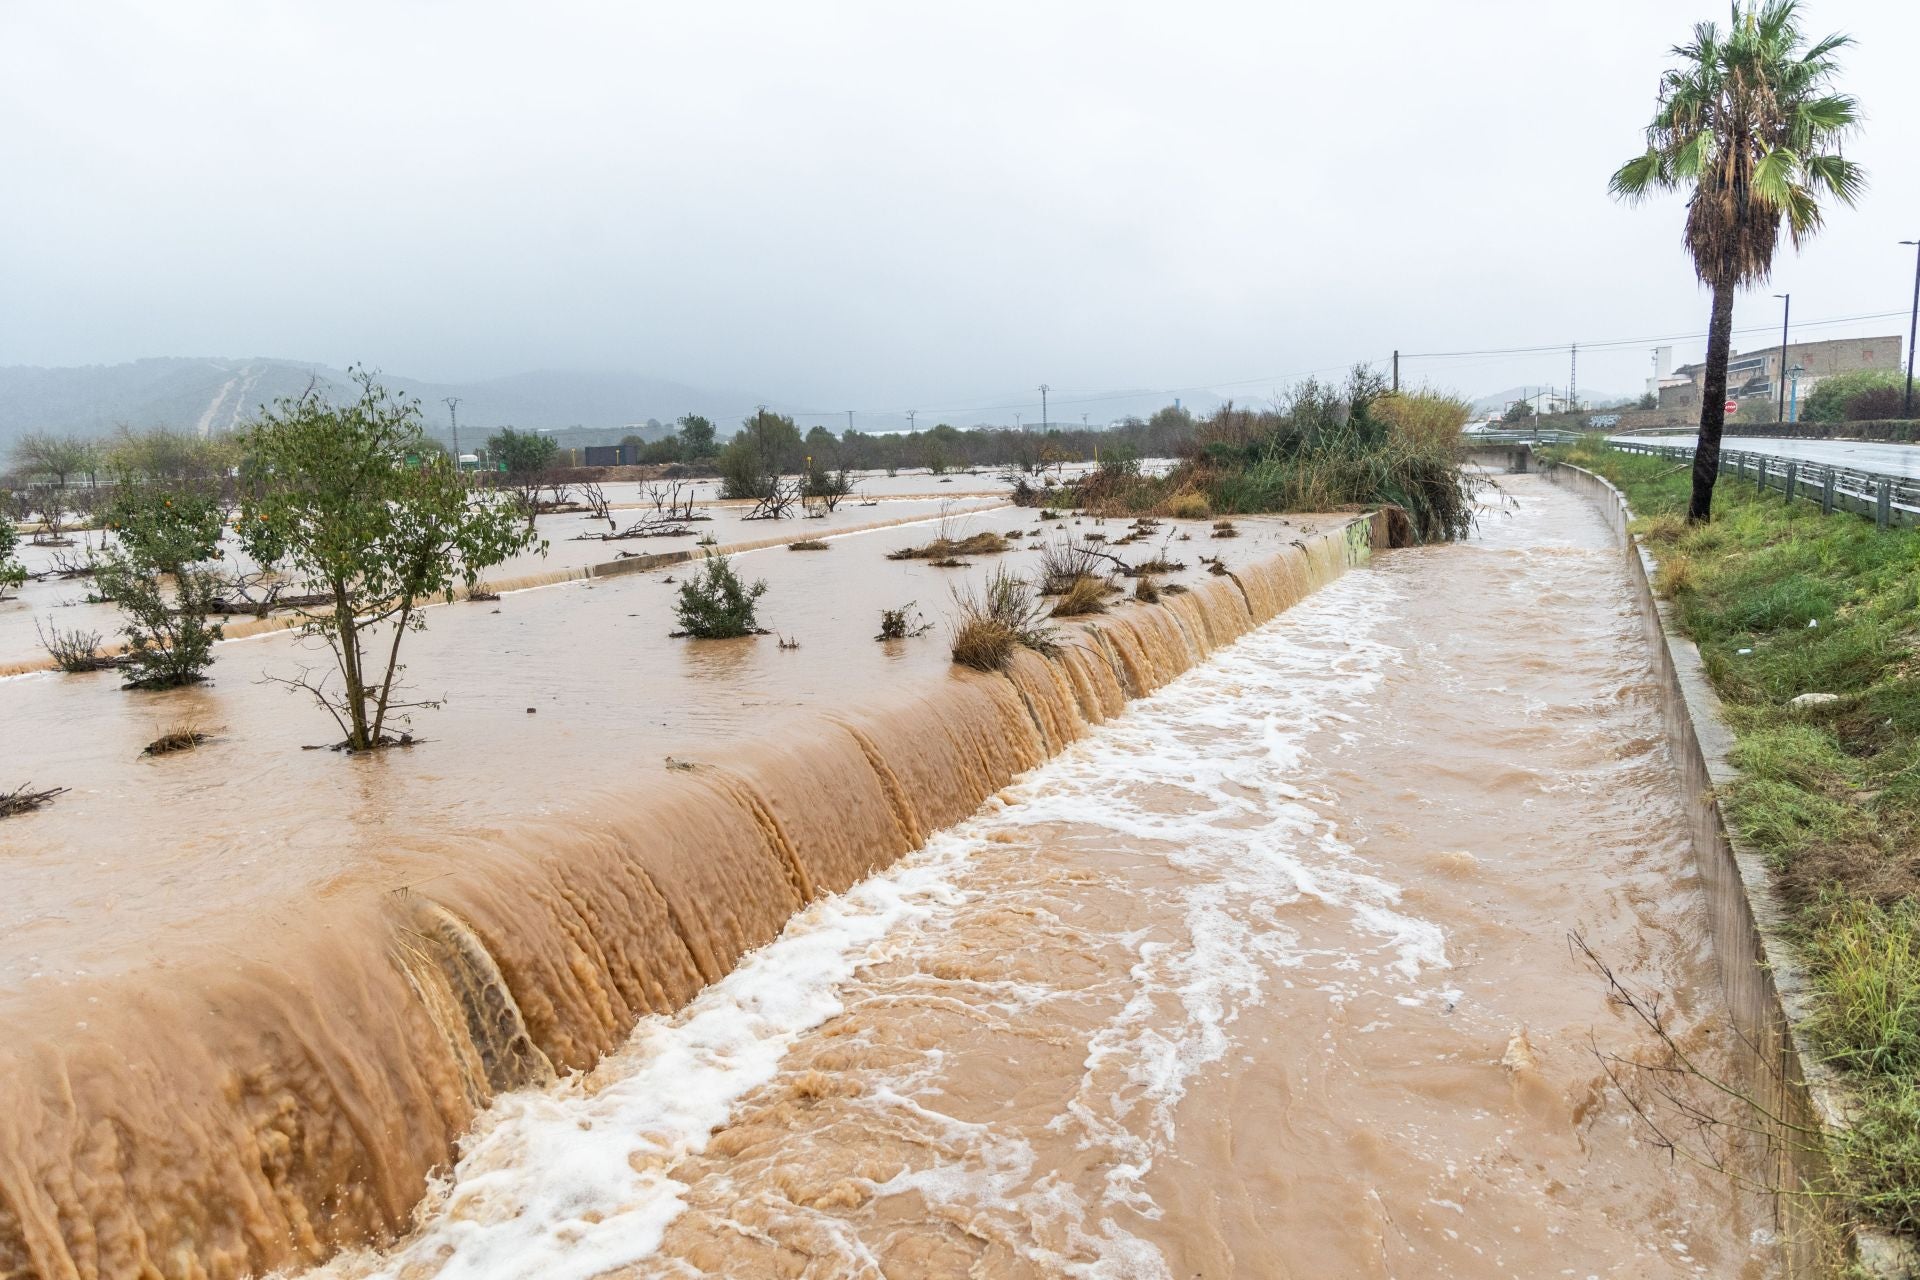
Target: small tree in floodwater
348,500
12,572
716,605
158,572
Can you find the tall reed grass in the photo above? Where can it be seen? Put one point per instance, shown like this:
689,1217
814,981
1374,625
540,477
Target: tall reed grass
1324,447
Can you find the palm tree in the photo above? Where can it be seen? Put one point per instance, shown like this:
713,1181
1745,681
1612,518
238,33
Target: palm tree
1748,124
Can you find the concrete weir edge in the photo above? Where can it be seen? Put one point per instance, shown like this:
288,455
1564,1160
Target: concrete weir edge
1767,991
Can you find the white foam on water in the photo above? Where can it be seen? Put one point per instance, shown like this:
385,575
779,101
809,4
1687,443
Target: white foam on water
572,1181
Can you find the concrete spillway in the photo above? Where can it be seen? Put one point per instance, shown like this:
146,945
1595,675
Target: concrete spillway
248,1023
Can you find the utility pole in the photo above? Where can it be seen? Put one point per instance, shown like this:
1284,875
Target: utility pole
1785,315
1396,369
849,422
1017,424
910,416
453,416
1573,377
1913,325
1043,407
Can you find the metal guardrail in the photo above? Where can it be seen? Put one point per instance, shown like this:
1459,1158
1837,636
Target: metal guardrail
1885,499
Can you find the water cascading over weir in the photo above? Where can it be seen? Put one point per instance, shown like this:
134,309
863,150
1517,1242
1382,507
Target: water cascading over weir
233,1116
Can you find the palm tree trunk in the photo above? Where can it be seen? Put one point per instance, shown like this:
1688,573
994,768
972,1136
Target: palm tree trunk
1713,405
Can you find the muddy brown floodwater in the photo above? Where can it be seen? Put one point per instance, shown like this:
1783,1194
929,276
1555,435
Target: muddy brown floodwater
1267,977
251,995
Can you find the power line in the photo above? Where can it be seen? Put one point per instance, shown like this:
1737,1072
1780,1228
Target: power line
1612,343
1278,379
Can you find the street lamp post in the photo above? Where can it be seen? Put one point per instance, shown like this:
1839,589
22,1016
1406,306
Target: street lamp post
1913,325
1785,315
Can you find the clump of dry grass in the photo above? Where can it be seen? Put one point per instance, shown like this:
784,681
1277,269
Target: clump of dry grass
810,544
1675,575
1189,506
1159,564
995,621
984,543
1082,596
184,736
1146,591
1225,529
1662,530
1065,562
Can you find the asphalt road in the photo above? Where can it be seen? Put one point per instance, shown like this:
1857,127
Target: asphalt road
1886,459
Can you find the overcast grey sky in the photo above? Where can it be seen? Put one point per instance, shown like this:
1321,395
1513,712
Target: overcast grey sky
881,204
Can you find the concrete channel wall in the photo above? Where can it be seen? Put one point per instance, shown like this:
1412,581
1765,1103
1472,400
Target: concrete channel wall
1765,988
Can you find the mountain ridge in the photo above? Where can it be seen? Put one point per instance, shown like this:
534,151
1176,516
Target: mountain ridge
211,394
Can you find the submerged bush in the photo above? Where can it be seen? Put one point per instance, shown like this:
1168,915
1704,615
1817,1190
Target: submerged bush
715,604
169,640
74,651
992,623
902,623
1066,562
157,573
984,543
12,572
1082,596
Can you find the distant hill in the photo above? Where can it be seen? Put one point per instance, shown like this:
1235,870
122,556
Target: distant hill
1499,400
212,395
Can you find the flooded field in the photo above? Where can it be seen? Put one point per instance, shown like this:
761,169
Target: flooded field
1269,976
573,543
253,992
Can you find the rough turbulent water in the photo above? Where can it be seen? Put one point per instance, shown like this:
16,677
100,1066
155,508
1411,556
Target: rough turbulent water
1269,976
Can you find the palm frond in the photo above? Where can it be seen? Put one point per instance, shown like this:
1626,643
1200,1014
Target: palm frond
1748,119
1775,176
1639,178
1838,176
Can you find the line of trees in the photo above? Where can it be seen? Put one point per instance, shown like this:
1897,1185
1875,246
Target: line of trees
772,444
